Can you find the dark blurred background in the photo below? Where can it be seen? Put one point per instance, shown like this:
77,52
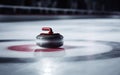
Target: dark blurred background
58,6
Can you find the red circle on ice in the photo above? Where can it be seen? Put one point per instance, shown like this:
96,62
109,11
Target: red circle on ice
28,48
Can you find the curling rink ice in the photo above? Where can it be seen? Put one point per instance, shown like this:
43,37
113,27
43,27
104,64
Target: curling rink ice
91,47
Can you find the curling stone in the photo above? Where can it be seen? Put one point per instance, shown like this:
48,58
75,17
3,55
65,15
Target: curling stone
50,39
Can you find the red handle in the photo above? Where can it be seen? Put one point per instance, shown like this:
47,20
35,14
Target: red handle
50,32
